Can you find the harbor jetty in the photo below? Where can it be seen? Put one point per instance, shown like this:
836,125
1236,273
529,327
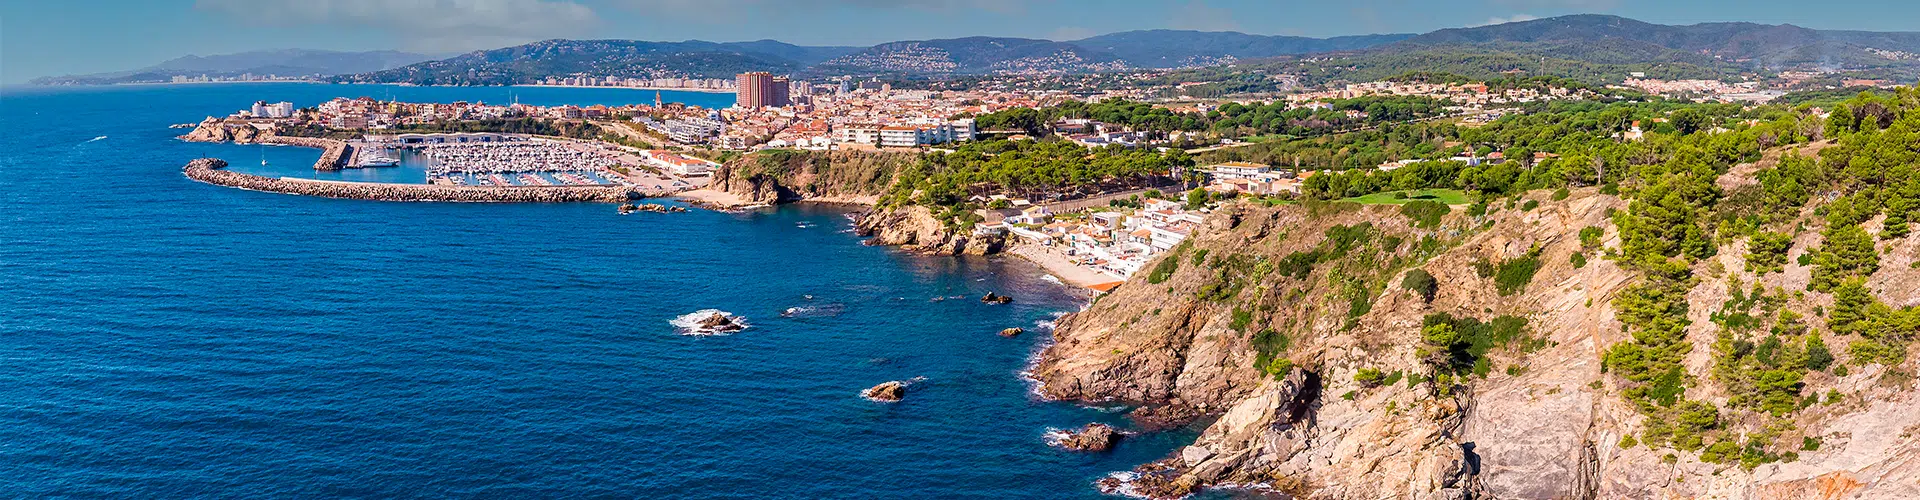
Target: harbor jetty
333,153
213,171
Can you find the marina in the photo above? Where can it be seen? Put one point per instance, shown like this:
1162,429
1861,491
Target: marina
516,163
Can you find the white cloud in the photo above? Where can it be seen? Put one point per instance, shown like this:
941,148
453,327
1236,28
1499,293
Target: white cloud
426,25
1509,19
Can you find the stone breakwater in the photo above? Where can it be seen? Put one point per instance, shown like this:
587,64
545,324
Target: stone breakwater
333,153
212,171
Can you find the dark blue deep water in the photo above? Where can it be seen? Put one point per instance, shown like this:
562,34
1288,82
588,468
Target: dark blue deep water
166,338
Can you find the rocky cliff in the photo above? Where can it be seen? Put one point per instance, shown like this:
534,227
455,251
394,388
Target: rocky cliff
217,130
776,176
1292,334
859,177
915,228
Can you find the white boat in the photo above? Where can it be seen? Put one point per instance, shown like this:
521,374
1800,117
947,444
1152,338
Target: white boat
380,161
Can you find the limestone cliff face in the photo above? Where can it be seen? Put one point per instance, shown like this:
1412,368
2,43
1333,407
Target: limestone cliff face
915,228
216,130
859,177
778,176
1543,423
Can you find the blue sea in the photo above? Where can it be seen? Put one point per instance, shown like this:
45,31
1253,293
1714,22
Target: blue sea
162,338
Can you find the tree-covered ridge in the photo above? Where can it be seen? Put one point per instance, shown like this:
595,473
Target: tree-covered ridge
1228,120
1048,169
1767,348
1583,142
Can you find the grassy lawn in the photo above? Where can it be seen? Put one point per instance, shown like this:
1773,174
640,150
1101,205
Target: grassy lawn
1447,196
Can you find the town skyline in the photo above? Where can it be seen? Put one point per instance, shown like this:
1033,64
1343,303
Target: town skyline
45,40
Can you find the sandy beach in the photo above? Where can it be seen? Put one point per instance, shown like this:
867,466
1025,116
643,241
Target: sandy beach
1061,266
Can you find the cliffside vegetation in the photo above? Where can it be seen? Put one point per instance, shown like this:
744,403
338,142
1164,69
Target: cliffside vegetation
1732,290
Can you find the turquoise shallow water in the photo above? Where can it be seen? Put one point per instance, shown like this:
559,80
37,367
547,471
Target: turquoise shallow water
165,338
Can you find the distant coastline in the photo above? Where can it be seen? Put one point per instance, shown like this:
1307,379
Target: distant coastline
675,89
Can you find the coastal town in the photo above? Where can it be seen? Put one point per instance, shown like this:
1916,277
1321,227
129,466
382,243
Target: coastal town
668,147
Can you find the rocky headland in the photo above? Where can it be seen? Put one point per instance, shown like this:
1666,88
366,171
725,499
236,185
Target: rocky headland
854,177
212,171
333,155
1292,333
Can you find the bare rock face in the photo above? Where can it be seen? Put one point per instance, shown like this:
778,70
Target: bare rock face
915,228
786,176
721,323
1542,423
886,392
1093,438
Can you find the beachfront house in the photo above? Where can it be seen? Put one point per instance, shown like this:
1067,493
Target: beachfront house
1237,170
1035,214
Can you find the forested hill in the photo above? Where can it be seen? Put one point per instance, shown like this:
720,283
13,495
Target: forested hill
1179,48
625,58
1593,48
1617,39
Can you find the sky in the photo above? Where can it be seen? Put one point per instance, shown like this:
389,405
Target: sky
57,37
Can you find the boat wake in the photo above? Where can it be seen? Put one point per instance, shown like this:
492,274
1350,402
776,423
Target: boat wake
708,322
101,138
815,311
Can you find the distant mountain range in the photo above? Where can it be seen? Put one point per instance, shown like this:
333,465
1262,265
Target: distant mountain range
285,62
624,58
1761,46
913,58
1588,46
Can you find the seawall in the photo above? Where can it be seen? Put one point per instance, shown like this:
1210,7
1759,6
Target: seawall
333,153
212,171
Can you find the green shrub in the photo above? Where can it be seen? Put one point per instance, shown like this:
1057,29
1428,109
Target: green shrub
1167,266
1529,205
1369,377
1513,276
1767,252
1561,194
1590,236
1579,260
1425,214
1421,282
1241,318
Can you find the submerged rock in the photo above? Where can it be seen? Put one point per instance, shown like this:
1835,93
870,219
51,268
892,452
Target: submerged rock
886,392
1093,437
1012,332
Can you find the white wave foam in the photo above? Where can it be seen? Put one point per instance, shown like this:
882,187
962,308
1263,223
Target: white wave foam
689,323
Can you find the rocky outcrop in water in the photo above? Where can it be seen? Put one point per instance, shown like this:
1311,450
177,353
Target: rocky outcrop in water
211,171
1012,332
886,392
1092,438
915,228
